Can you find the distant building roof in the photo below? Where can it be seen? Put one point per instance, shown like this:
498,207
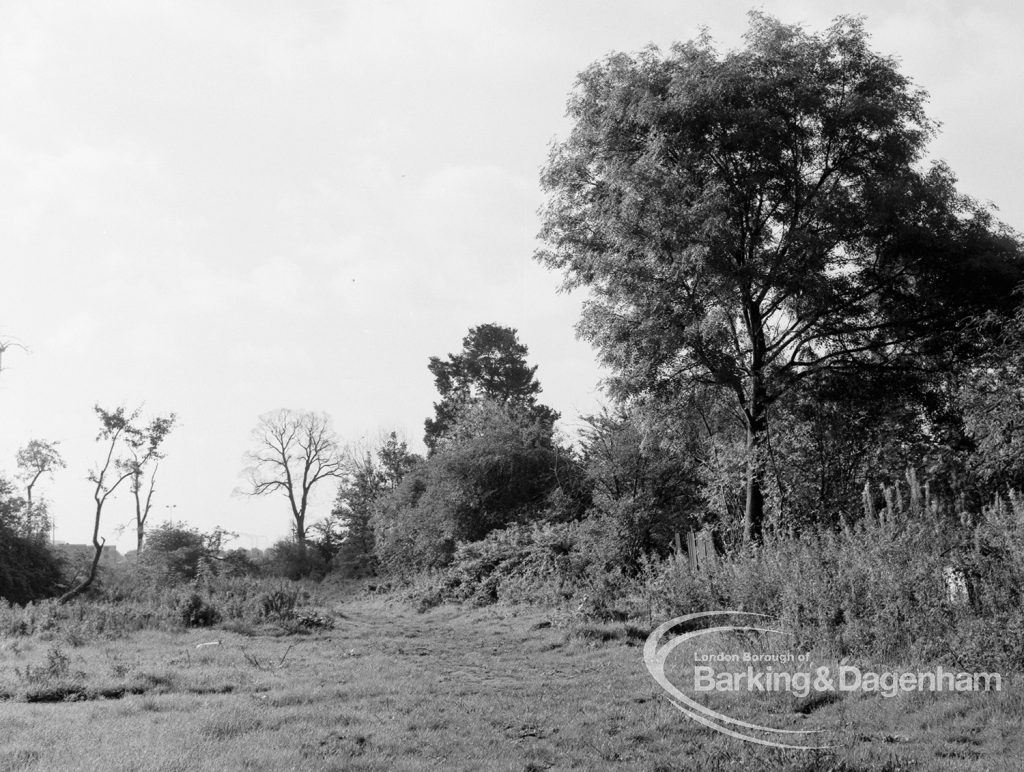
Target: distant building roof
110,553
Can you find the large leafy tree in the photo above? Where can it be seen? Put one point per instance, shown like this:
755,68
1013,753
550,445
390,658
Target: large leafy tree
755,219
491,366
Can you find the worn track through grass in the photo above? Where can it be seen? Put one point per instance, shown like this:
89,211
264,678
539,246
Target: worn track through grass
454,688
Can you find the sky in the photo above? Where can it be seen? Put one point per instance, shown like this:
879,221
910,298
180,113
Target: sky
220,209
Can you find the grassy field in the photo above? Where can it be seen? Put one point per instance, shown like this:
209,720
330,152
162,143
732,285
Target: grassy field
497,688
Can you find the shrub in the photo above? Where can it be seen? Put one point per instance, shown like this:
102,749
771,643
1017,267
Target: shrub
494,467
195,611
550,562
174,551
279,603
238,563
57,667
28,569
290,560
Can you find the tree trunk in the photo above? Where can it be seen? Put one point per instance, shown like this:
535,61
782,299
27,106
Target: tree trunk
757,428
140,530
30,520
97,544
142,512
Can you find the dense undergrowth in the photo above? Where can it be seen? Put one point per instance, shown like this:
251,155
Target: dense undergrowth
913,582
244,605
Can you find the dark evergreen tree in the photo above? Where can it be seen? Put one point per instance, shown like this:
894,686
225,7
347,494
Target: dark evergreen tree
491,366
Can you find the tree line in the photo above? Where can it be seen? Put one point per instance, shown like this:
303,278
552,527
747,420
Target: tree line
795,305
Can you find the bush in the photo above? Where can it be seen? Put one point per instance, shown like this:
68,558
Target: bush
279,603
495,466
28,569
290,560
174,552
238,563
412,533
550,562
196,611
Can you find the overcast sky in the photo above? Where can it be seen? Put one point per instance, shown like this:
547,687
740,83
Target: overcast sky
220,209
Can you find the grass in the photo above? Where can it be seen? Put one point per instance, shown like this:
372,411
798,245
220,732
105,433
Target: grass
495,688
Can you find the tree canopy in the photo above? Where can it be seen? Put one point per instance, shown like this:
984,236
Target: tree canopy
753,219
491,366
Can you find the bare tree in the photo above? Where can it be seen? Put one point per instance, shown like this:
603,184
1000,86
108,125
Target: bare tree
120,435
36,459
294,451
